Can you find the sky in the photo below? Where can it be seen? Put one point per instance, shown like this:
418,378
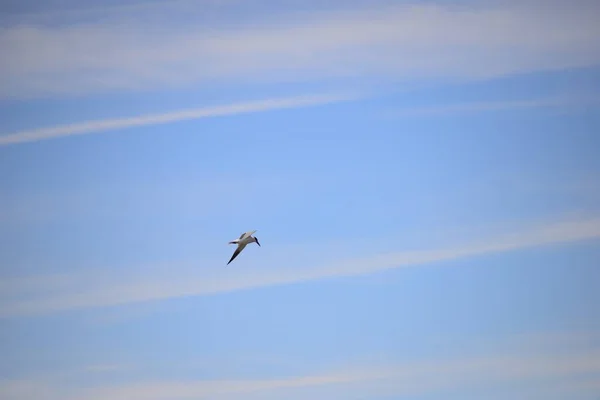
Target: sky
423,177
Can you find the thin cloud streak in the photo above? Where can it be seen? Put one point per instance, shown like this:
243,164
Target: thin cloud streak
514,368
174,116
483,106
105,368
86,292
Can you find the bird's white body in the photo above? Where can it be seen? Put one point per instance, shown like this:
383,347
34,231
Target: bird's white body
244,239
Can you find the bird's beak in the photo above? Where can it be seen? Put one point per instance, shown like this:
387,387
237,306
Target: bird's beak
257,241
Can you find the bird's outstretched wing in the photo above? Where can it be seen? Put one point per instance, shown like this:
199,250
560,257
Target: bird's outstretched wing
246,234
236,252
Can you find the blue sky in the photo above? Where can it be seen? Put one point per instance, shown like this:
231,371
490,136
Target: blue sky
423,179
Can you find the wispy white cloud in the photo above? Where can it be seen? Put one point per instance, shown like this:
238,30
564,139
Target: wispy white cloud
405,41
85,291
105,368
562,103
169,117
513,371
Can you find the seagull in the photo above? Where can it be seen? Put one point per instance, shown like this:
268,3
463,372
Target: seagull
242,241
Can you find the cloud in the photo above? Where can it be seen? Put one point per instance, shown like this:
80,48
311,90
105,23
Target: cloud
401,42
562,102
105,368
512,370
85,290
173,116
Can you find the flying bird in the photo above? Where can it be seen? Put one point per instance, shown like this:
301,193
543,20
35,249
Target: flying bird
245,239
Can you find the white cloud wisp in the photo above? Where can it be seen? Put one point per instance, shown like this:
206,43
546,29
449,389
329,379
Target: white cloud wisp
515,372
83,291
561,103
174,116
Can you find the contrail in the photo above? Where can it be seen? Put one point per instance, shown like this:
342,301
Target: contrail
173,116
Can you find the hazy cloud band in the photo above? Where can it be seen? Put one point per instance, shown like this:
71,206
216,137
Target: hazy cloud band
405,42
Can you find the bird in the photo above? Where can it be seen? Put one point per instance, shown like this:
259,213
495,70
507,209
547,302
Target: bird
244,239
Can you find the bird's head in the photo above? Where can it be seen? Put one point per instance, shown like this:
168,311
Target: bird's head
256,240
